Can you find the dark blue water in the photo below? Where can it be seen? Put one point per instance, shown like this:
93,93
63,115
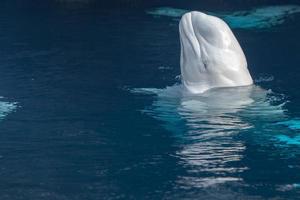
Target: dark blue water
74,126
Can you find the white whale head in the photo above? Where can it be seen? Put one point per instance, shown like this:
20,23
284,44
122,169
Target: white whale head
210,54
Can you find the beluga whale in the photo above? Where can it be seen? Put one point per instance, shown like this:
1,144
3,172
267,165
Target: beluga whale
211,56
217,110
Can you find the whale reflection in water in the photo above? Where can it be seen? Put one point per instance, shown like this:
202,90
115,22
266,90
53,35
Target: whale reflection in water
207,126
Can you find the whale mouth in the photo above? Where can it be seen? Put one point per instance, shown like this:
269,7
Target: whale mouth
210,54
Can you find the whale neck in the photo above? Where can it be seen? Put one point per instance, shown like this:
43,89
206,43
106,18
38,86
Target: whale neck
210,54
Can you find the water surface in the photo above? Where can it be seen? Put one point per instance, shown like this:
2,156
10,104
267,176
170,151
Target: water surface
86,112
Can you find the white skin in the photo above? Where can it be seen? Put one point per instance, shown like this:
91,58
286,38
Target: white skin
210,54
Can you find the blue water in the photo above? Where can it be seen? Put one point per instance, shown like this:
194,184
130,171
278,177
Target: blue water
91,105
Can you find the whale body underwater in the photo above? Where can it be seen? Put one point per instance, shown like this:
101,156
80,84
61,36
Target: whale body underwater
262,18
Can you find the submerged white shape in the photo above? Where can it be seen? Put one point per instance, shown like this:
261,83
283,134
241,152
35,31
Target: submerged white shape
6,108
167,11
259,18
210,54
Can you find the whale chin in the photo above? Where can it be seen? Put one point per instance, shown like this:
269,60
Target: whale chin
210,54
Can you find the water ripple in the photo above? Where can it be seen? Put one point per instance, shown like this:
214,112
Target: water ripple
208,126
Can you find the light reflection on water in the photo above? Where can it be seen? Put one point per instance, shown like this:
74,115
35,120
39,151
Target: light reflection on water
208,126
